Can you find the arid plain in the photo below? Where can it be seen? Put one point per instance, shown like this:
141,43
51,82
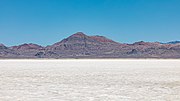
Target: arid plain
90,80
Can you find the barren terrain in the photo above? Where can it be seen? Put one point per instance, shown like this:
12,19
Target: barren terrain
90,80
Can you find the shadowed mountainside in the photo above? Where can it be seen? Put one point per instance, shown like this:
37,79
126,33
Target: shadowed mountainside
79,45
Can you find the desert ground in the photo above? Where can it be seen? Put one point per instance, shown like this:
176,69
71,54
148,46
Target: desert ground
90,80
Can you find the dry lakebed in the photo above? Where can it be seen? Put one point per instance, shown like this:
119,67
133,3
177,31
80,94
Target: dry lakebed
90,80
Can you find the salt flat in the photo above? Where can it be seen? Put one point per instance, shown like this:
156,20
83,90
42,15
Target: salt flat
90,80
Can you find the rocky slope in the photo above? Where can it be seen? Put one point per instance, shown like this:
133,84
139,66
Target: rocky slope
79,45
27,50
6,52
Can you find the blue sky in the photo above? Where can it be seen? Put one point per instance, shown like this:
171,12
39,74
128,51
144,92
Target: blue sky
47,21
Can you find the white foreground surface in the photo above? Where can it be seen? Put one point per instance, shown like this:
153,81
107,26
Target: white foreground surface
90,80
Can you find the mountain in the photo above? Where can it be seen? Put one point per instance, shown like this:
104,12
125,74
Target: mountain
26,47
6,52
80,45
2,46
27,50
174,42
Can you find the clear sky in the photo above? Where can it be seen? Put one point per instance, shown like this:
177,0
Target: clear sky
47,21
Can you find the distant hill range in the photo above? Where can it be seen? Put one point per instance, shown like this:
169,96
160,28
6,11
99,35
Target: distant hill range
80,45
173,42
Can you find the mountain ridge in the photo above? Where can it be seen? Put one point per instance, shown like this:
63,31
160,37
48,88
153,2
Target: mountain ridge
80,45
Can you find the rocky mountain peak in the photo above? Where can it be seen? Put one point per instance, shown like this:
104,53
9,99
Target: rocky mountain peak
27,46
2,46
79,34
81,38
146,43
140,43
